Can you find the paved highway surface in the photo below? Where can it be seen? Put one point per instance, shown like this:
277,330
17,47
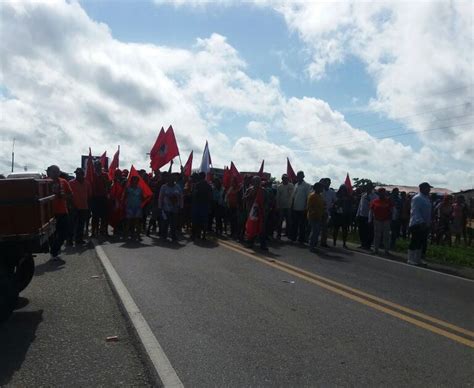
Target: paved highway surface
57,336
229,316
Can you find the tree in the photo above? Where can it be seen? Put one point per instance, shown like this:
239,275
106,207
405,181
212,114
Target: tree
362,183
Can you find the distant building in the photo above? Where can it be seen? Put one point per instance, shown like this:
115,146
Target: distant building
219,173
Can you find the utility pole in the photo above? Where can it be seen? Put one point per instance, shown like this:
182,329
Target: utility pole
13,154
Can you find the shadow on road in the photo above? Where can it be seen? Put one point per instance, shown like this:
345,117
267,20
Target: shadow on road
49,266
16,335
22,302
208,243
130,244
325,255
164,243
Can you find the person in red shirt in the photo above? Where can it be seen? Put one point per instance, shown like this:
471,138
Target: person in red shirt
232,199
62,192
81,192
116,210
381,213
98,204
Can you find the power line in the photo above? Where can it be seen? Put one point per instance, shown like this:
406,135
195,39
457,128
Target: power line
383,137
379,122
382,130
432,94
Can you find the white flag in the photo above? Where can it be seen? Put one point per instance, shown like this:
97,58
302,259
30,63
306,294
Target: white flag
206,160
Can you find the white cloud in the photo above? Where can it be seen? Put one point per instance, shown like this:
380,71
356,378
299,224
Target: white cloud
420,55
71,85
258,129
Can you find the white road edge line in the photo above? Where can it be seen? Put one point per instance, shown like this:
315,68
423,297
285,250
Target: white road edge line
412,266
154,351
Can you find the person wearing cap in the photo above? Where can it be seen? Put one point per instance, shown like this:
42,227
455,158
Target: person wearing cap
299,202
419,226
381,215
62,192
283,204
366,230
81,192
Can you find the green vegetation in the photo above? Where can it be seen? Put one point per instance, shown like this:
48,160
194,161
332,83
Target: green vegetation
443,254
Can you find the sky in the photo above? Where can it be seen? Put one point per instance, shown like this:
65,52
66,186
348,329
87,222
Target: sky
379,90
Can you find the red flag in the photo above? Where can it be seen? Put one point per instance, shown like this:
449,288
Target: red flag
156,147
348,184
167,150
227,178
90,169
147,193
290,172
254,224
189,165
260,172
103,160
234,173
114,165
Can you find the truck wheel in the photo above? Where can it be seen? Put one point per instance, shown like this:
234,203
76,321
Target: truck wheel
24,273
8,295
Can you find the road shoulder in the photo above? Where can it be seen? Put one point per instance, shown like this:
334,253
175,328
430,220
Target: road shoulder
58,335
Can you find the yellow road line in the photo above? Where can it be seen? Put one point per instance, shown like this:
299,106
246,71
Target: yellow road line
323,282
366,295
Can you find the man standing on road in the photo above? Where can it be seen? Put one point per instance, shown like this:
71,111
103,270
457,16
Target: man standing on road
62,192
316,210
170,204
100,192
256,196
81,192
381,212
298,209
201,203
283,203
329,196
420,223
396,211
366,231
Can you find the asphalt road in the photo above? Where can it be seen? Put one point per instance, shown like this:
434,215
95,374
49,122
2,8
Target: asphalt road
227,317
57,336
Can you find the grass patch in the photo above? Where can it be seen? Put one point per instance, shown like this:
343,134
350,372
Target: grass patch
443,254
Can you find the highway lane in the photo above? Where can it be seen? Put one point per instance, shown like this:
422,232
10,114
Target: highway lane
228,317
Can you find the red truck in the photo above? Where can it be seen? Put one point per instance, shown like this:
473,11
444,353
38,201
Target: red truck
26,227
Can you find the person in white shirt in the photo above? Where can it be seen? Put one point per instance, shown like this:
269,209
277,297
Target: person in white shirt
299,202
329,196
283,204
420,223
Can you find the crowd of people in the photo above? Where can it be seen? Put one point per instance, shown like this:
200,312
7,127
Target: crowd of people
251,210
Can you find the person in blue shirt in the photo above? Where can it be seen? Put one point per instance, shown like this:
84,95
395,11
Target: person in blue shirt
420,224
133,208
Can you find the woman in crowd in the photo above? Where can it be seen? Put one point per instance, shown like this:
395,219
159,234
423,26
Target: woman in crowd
341,214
